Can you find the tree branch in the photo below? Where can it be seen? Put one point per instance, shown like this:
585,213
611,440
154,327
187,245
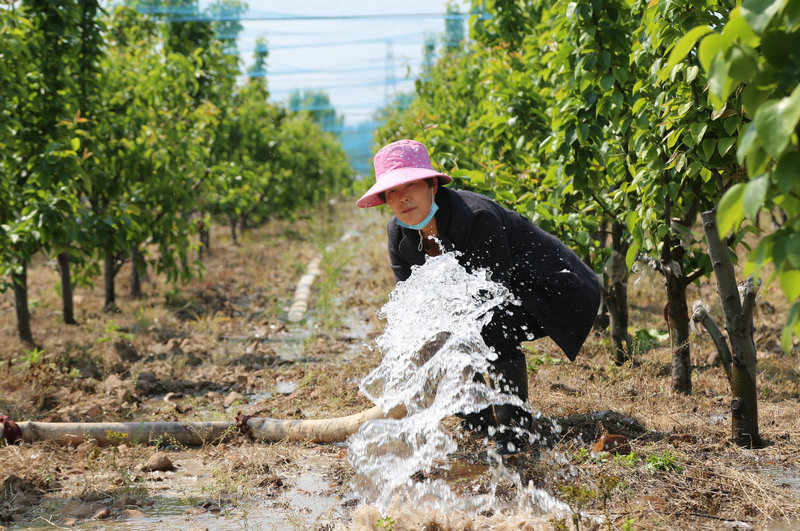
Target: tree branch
694,275
700,316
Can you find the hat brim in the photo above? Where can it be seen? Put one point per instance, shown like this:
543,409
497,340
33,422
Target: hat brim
396,178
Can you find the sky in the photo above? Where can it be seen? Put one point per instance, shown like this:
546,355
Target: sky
358,51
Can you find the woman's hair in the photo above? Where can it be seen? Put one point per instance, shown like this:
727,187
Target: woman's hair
428,180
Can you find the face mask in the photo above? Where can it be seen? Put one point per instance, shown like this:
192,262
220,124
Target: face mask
418,226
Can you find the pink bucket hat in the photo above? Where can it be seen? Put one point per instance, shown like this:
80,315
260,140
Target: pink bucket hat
398,163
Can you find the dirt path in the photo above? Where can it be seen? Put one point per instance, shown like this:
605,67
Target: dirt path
225,344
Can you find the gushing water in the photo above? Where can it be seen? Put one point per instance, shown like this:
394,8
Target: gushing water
432,350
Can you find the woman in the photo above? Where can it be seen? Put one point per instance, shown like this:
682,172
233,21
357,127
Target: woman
559,293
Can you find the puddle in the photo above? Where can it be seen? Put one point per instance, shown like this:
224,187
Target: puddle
307,501
784,477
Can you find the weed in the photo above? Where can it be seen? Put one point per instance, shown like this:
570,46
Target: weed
630,459
607,484
646,338
333,263
581,455
585,456
628,524
387,522
577,497
114,331
32,357
141,320
539,358
663,463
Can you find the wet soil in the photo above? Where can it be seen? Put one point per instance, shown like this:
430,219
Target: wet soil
222,344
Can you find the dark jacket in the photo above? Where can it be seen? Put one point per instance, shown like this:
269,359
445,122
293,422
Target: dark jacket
555,287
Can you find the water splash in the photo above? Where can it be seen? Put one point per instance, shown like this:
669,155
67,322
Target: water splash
432,349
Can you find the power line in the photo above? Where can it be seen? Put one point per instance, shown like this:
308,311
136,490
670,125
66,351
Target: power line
189,14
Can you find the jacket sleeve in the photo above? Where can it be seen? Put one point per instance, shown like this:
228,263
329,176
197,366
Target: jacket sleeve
400,267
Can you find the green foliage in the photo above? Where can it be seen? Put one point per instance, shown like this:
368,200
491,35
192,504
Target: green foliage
663,463
387,523
585,116
122,131
584,455
32,357
753,65
577,497
646,338
536,359
630,460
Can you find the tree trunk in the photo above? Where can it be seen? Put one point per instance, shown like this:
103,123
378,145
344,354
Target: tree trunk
205,238
232,223
617,295
677,316
617,303
110,272
138,272
66,288
739,325
20,281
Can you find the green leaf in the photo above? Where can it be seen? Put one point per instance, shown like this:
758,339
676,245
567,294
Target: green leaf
793,249
639,105
631,220
724,144
583,132
730,211
75,143
709,144
719,82
630,256
757,160
737,30
743,63
753,196
685,44
698,130
759,257
792,327
709,48
731,124
758,13
790,283
746,142
775,122
787,172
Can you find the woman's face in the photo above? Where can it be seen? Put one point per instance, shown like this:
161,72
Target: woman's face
411,202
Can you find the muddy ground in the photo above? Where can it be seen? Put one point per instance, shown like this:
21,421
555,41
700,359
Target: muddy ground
222,344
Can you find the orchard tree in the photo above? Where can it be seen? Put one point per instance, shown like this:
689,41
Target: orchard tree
41,157
16,67
753,65
87,80
153,134
683,162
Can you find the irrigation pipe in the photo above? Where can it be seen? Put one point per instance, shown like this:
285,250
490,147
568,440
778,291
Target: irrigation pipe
300,302
193,433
